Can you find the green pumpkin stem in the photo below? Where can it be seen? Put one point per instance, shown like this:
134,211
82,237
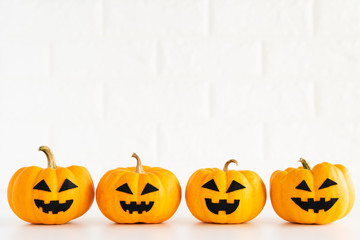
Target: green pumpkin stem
227,164
305,163
139,169
49,156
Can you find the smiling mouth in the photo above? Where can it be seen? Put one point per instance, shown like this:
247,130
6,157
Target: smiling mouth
134,207
53,206
315,205
222,206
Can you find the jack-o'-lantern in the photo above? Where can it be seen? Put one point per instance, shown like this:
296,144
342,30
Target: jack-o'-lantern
54,195
142,194
225,196
312,196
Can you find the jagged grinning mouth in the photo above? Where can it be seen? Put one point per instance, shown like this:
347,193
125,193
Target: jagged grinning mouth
134,207
222,206
53,206
315,205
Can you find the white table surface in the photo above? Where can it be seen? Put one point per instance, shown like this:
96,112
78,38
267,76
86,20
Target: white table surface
178,228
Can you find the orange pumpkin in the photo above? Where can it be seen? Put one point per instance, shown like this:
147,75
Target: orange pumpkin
54,195
225,196
142,194
312,196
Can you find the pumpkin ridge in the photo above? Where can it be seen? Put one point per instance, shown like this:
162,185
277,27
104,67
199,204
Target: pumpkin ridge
163,179
174,181
348,180
135,178
349,202
108,177
155,169
47,173
189,192
11,186
84,171
35,217
152,177
205,178
77,205
276,180
253,182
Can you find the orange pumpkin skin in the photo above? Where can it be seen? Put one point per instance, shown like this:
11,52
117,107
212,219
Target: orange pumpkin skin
162,203
338,197
251,196
22,195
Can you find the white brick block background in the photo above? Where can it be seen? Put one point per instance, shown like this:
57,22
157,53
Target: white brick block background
185,84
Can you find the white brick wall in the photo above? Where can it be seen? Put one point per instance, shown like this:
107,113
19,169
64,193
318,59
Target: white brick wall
185,84
261,18
89,57
155,18
24,58
208,57
50,19
313,57
336,17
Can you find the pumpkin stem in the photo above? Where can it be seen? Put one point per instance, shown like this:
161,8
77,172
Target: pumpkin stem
139,168
49,156
227,164
305,163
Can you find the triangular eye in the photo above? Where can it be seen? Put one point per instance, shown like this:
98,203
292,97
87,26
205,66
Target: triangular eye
67,185
211,185
234,186
328,183
42,186
124,188
303,186
148,189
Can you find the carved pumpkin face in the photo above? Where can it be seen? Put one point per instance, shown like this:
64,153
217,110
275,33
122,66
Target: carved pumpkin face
53,206
223,204
54,195
223,196
142,194
318,196
129,206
